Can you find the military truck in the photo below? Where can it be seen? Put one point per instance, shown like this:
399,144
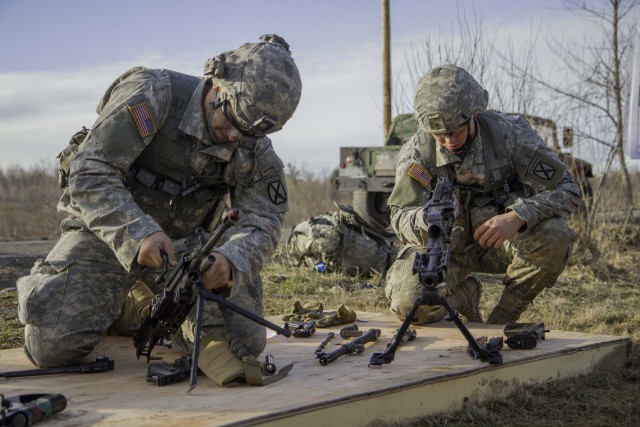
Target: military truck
369,172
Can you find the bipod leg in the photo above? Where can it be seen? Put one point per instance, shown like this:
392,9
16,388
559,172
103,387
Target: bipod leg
388,355
196,343
475,350
241,311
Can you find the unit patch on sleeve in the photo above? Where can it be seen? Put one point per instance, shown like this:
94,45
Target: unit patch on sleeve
543,171
277,192
144,121
420,174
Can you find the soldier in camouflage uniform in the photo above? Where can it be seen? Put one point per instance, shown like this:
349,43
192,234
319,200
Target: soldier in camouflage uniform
513,191
167,154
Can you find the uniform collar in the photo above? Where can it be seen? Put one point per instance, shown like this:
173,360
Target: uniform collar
444,156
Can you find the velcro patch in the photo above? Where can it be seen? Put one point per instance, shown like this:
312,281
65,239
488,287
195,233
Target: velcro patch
543,170
268,172
277,192
144,121
420,174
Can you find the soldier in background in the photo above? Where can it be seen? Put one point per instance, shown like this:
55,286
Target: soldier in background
167,154
514,194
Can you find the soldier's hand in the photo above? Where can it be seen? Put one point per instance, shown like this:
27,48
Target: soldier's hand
150,253
219,274
497,230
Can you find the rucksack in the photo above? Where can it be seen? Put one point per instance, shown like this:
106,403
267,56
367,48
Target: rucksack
67,156
341,242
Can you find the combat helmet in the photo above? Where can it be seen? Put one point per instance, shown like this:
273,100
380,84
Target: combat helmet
260,82
446,97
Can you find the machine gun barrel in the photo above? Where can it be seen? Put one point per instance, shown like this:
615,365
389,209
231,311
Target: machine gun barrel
355,346
102,364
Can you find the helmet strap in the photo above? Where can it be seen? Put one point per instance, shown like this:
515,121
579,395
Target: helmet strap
470,138
213,105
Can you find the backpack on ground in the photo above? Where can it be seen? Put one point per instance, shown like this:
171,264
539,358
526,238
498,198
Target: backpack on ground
341,241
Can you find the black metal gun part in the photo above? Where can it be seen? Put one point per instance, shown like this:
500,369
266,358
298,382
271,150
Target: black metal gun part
102,364
355,346
524,335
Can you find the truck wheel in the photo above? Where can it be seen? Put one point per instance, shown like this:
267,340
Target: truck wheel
372,207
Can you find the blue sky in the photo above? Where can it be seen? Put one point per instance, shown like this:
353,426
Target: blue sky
58,57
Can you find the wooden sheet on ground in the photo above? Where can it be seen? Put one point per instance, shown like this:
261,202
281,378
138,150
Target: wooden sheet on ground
431,373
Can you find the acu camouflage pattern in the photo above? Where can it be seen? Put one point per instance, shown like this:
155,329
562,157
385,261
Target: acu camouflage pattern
74,295
446,97
258,79
532,259
343,242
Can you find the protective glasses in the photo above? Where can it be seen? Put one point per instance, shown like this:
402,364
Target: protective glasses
257,129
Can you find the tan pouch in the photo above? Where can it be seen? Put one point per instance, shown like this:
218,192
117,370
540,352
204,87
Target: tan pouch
218,362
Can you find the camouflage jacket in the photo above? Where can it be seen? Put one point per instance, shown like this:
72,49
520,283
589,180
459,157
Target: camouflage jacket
148,164
531,199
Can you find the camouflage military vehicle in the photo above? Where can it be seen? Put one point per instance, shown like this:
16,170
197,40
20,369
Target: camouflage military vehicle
369,172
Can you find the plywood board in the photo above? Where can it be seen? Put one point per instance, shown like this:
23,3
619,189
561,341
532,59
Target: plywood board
432,373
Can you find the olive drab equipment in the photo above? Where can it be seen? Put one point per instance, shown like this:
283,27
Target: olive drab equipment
67,156
343,242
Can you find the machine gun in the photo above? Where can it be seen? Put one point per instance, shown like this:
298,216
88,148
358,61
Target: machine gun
441,211
183,289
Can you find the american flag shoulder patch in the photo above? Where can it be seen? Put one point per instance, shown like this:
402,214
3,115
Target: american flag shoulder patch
420,174
143,119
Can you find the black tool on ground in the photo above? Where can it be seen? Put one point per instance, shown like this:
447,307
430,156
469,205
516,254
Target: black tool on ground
183,289
269,367
301,329
350,332
102,364
440,213
355,346
163,373
524,335
29,409
491,346
379,358
324,343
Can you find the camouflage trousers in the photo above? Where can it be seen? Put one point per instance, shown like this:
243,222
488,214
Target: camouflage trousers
73,296
530,261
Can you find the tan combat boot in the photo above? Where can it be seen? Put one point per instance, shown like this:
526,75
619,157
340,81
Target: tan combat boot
466,298
134,309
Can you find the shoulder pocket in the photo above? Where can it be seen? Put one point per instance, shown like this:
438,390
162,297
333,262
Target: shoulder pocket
539,167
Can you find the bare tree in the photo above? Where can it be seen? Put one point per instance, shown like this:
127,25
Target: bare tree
591,90
470,47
